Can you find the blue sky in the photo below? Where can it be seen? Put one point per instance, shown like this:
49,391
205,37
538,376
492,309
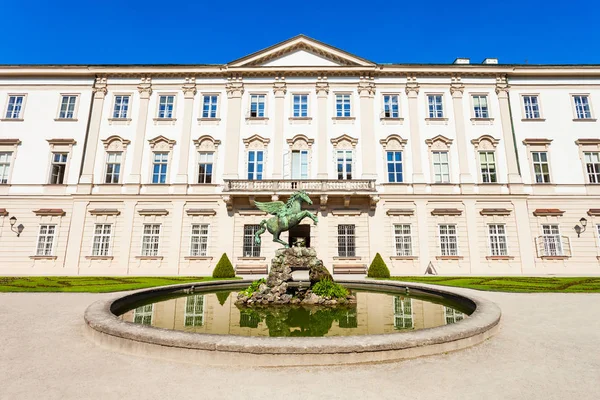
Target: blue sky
213,32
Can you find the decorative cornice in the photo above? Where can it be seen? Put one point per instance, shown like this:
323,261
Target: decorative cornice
548,212
124,142
400,211
10,142
62,142
456,87
3,212
446,211
537,142
53,212
105,211
234,87
200,212
322,86
366,86
279,87
439,138
153,211
495,211
477,142
594,212
502,86
145,87
100,87
254,137
198,142
300,136
161,138
345,137
189,88
587,142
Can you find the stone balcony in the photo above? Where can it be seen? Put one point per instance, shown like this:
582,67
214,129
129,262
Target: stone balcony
315,186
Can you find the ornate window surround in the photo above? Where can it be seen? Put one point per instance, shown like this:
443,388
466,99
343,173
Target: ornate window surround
535,145
161,144
114,144
60,146
394,142
488,144
439,143
206,144
10,146
256,142
345,142
586,146
297,143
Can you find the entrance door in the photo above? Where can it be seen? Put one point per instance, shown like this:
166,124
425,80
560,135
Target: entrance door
300,232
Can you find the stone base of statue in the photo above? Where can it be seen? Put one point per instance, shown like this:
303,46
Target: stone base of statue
281,287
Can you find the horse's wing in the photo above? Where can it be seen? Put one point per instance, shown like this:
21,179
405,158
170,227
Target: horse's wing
272,208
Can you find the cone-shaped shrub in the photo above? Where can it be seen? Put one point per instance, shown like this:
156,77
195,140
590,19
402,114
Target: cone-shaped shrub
378,269
224,269
222,296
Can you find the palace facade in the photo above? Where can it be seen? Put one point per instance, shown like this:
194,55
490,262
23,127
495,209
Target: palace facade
462,168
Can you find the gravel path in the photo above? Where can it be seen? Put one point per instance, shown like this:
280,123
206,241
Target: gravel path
548,347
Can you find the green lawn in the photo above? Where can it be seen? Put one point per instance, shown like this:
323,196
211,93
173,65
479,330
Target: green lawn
89,284
512,284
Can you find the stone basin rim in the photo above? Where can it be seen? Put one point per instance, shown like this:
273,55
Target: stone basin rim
100,319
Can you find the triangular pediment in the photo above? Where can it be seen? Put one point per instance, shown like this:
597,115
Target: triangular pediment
301,51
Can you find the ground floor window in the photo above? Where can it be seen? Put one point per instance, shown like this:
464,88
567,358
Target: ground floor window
101,243
45,242
150,239
199,244
251,248
448,240
143,315
346,241
497,234
403,239
194,310
403,318
551,240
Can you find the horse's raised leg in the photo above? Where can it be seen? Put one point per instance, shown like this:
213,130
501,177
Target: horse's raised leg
278,240
310,215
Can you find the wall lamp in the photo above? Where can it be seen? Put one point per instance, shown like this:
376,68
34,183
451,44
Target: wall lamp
19,229
578,229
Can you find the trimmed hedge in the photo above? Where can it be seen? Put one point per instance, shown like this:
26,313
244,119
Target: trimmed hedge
224,268
378,269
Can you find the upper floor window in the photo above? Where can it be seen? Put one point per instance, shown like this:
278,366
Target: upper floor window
113,167
257,106
165,106
592,166
251,248
346,241
45,242
532,107
403,239
342,105
150,239
480,106
435,105
344,164
487,163
121,108
209,105
159,167
497,236
14,108
300,105
441,167
299,164
390,106
394,166
199,240
101,241
582,107
67,107
205,166
58,168
255,164
541,168
5,159
448,240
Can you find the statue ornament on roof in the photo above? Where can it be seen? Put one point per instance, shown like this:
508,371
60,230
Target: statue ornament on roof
286,216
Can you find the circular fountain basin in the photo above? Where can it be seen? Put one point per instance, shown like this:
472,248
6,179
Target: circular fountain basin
200,323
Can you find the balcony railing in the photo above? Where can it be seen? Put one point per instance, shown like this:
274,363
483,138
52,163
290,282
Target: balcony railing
553,246
291,185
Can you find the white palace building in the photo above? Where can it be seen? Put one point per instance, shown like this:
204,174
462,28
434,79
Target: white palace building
462,168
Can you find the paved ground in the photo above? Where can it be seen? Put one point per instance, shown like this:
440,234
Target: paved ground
548,348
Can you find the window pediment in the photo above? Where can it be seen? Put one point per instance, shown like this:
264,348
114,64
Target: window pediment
485,142
344,142
161,143
256,142
439,142
206,143
300,142
393,142
115,143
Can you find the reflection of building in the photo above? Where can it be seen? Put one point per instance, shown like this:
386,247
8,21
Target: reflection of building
194,310
154,170
143,315
403,318
451,315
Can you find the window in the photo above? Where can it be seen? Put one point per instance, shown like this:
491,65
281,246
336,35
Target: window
5,158
194,310
394,166
58,168
159,167
299,164
165,106
541,167
452,316
487,163
436,107
448,240
497,234
14,108
349,319
199,244
551,240
101,243
582,107
113,167
344,164
251,248
150,239
257,106
342,105
205,167
532,107
300,105
143,315
209,106
390,106
45,243
441,168
255,164
480,106
346,241
592,166
121,108
403,239
403,318
67,107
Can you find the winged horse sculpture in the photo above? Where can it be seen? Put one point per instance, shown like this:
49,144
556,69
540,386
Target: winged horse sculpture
286,216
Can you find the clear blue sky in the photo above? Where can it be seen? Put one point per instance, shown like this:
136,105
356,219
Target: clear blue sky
213,32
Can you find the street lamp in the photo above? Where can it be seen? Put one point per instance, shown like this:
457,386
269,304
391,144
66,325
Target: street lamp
13,221
578,229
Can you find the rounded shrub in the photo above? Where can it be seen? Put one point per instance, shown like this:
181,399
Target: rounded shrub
224,269
378,269
328,288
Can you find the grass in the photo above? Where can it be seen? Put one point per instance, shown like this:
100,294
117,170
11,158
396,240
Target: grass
512,284
92,284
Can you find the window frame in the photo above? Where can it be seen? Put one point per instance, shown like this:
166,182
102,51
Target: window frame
194,314
557,235
404,235
9,166
300,94
300,152
442,102
589,103
109,252
455,235
433,173
158,235
217,106
345,164
173,116
350,105
254,248
166,163
597,167
53,243
541,163
21,115
399,304
350,241
258,96
391,95
498,236
106,164
481,172
114,105
487,103
199,154
199,235
524,107
256,163
53,163
395,163
75,107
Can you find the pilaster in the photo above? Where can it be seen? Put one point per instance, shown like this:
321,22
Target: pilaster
279,89
93,134
235,90
423,228
189,93
76,228
502,89
174,255
472,236
145,90
456,90
366,91
322,89
412,92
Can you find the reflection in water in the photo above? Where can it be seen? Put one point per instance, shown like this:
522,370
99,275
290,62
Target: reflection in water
216,313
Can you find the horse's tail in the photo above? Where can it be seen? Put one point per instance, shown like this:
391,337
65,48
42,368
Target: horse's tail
263,228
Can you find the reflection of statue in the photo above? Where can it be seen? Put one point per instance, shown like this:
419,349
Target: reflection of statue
286,216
